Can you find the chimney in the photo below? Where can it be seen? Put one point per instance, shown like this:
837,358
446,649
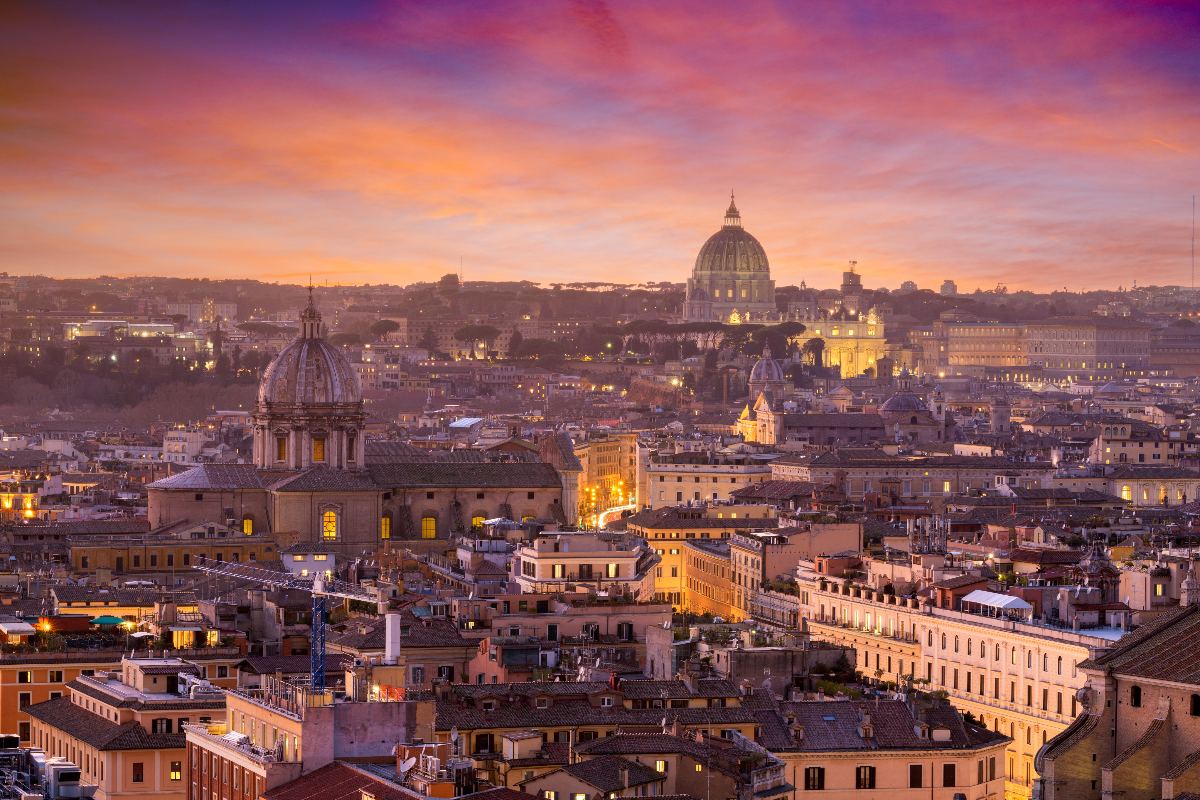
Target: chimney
391,641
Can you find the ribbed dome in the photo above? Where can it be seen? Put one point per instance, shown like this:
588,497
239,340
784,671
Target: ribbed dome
732,249
766,369
309,371
904,403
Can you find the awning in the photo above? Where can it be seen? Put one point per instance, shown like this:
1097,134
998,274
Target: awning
16,628
107,619
1005,602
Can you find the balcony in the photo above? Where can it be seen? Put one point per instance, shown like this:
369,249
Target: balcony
217,737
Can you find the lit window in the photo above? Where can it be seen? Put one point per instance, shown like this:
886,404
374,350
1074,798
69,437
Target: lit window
248,525
477,521
660,766
428,527
176,770
385,527
281,448
329,525
318,448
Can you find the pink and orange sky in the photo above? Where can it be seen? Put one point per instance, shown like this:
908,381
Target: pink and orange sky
1035,144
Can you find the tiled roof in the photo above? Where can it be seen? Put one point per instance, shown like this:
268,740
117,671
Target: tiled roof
1145,740
1165,649
651,743
67,593
324,479
834,725
418,633
612,773
98,732
213,476
85,527
774,490
339,781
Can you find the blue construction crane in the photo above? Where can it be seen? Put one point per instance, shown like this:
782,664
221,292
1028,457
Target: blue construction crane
320,587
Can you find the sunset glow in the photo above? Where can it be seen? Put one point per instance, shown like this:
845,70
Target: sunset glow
1038,145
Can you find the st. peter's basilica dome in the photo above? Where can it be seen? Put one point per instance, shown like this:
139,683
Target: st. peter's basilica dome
732,249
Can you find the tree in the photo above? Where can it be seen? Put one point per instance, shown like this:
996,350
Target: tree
514,342
383,328
470,334
429,340
814,351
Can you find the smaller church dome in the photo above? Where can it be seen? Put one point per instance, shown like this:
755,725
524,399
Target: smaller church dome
767,369
309,371
904,403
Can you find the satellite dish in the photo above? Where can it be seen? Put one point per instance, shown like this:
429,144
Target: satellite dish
407,764
454,734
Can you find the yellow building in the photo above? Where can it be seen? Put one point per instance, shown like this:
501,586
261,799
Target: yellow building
666,529
124,728
708,579
853,343
608,473
1018,678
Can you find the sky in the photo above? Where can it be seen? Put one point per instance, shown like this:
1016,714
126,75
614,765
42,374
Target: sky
1039,145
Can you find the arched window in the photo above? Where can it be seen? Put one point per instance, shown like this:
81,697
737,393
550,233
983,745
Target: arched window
1126,493
930,638
1045,662
1060,665
248,525
1135,696
968,647
428,527
956,644
1012,658
997,658
1029,659
385,526
329,525
943,641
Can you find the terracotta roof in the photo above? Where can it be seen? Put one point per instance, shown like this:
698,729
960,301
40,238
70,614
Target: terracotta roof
417,633
98,732
339,781
324,479
213,476
1165,649
613,773
516,475
269,665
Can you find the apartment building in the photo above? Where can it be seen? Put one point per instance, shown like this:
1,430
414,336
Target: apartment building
699,477
124,728
608,562
757,557
1016,675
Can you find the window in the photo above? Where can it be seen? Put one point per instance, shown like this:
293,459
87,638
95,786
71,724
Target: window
864,778
160,725
281,448
1135,696
660,766
699,768
606,702
329,525
24,676
428,527
1195,710
24,699
550,795
612,570
914,776
139,772
948,775
23,731
418,675
318,448
177,771
385,527
56,676
248,525
814,779
579,796
477,521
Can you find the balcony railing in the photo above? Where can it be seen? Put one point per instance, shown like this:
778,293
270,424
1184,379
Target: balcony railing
214,734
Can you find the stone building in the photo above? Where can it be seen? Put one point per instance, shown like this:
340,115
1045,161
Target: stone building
315,475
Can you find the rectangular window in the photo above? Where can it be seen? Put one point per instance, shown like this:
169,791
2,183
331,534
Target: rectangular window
613,571
24,676
281,448
139,772
814,779
428,527
948,775
56,676
660,766
864,778
385,527
914,776
177,771
24,699
318,448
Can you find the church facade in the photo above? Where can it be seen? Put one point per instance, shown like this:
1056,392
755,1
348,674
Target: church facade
313,474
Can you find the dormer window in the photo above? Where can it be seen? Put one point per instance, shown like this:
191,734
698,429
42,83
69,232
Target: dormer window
489,705
606,702
542,702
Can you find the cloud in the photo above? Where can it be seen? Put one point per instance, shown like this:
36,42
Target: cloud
1024,144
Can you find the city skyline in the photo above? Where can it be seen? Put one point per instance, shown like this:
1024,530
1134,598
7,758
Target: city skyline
374,143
